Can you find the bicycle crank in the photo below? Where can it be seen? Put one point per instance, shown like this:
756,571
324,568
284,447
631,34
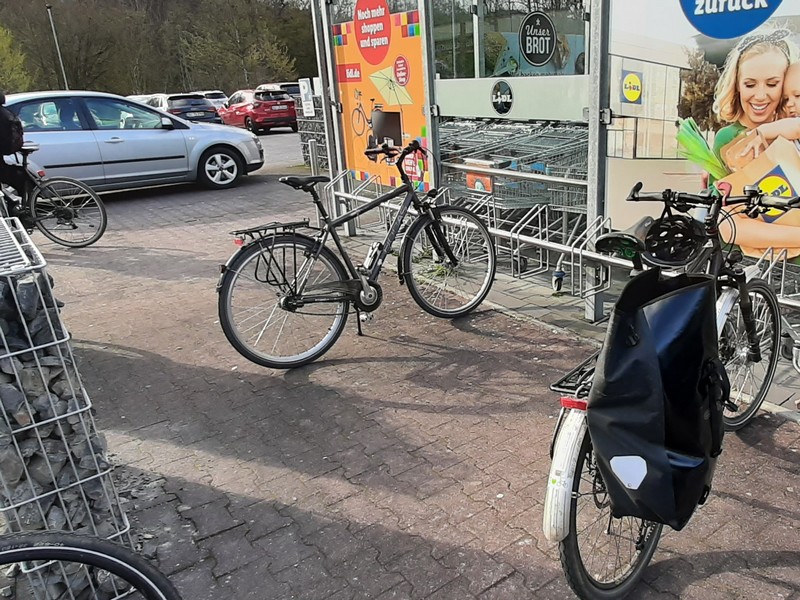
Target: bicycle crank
370,299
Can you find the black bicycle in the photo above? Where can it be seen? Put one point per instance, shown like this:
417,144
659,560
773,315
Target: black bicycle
284,297
56,565
748,314
603,556
65,210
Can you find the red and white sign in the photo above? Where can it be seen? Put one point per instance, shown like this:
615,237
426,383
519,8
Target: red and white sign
401,70
373,29
349,73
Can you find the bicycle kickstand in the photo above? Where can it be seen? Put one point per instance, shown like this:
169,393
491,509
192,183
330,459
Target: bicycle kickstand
362,317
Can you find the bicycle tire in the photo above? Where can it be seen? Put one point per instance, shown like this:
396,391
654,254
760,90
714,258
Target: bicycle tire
424,267
68,212
240,326
582,578
733,352
359,122
94,553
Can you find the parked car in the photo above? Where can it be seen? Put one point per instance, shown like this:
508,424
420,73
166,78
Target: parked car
290,87
113,143
216,97
193,107
260,110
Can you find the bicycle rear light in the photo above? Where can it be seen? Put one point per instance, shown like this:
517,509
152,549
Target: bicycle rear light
568,402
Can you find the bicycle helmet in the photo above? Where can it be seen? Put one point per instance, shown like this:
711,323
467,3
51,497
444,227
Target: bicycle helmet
673,241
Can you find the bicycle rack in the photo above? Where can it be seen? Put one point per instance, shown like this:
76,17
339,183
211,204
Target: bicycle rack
540,215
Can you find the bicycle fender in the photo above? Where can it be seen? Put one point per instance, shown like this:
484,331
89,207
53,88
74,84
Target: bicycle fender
558,498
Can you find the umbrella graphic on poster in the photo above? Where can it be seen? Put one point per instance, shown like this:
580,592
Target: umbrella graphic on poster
387,85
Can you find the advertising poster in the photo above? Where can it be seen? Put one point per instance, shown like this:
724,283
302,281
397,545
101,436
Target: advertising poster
706,91
537,43
379,71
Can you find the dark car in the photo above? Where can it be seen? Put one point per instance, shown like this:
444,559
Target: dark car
192,107
260,110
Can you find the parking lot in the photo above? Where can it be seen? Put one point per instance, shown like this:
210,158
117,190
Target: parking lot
410,463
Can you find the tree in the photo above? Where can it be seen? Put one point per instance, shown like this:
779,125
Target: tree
14,76
697,97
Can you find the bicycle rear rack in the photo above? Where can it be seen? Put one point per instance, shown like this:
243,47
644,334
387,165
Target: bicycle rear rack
577,378
262,231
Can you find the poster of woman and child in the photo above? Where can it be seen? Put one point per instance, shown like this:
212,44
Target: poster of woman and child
757,99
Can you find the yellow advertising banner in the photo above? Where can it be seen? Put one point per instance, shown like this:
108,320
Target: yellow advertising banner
381,79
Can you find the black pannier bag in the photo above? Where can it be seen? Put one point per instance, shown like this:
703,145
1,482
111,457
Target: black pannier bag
655,407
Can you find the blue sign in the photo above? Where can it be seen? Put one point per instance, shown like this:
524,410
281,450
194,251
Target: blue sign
725,19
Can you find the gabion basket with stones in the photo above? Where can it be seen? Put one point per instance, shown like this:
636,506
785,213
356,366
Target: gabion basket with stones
54,474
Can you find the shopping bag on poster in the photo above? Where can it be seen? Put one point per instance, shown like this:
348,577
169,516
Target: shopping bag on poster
655,407
777,172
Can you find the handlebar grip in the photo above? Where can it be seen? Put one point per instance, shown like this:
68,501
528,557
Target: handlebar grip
780,202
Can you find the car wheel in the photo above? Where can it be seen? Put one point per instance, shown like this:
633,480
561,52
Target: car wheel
294,127
250,126
219,168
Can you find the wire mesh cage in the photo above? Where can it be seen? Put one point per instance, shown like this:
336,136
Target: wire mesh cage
54,473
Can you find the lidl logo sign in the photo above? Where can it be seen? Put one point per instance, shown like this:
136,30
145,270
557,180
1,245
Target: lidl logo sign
631,87
776,184
726,19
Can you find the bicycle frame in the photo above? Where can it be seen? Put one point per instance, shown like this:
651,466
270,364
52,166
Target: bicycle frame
374,268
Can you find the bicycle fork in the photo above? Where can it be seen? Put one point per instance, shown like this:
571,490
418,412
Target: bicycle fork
725,303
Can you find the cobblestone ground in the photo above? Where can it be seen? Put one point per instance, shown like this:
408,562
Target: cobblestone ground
409,463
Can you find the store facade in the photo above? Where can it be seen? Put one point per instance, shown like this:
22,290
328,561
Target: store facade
544,112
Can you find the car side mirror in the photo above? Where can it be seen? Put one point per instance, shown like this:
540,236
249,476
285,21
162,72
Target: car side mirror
166,123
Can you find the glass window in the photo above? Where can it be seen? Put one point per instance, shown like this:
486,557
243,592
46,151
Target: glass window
453,39
58,114
555,45
115,114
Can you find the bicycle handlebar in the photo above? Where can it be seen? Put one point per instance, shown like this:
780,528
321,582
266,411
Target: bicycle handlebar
393,151
756,200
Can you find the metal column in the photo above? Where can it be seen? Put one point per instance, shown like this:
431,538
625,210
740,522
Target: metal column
599,114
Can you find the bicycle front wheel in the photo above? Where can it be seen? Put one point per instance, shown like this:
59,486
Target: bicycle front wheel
63,565
440,286
750,381
68,212
359,122
280,307
602,557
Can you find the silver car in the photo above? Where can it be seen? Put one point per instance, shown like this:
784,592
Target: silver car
112,143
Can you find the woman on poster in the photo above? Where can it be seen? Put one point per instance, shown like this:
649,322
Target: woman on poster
750,97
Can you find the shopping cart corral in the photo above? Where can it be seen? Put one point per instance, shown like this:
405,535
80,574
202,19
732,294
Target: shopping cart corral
535,176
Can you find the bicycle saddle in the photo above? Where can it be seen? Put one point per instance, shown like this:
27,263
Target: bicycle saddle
29,148
630,239
304,183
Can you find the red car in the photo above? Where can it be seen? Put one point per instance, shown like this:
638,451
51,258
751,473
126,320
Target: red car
259,110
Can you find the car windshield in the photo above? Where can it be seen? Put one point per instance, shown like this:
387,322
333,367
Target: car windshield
216,96
271,95
187,101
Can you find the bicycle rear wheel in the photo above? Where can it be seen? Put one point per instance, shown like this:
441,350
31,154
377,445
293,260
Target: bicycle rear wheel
68,212
750,381
602,557
439,287
56,565
262,317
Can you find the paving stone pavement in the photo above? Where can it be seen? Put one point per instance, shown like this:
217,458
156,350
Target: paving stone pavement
409,463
